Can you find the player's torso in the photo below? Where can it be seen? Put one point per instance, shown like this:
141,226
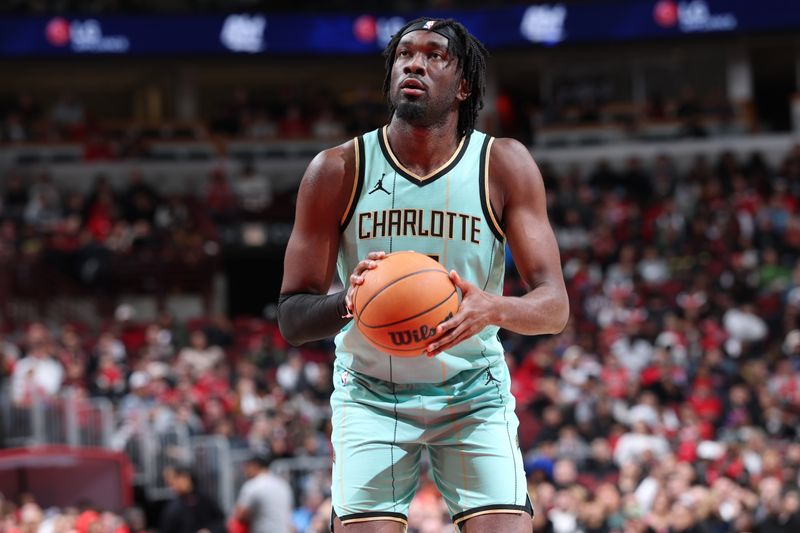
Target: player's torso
444,215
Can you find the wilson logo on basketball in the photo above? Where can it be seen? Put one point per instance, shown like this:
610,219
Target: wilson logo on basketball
415,336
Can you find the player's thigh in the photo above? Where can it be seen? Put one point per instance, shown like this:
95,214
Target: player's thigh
498,523
376,456
374,526
483,475
476,460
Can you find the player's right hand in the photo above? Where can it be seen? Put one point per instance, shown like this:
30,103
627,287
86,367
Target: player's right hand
357,277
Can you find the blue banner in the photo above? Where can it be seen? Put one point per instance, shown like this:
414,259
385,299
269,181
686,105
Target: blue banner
540,24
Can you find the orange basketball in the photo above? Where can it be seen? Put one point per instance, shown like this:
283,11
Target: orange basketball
401,302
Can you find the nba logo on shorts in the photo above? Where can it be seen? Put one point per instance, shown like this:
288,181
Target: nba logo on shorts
428,25
345,374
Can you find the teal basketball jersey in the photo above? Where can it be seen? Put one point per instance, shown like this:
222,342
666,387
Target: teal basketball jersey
446,215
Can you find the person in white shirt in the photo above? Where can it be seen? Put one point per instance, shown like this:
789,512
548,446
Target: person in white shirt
37,375
265,501
253,190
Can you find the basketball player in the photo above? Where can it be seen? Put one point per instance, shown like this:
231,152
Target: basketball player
429,182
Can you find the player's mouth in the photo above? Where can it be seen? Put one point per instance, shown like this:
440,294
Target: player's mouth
412,87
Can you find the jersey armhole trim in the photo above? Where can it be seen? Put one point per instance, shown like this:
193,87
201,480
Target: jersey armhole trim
486,202
358,183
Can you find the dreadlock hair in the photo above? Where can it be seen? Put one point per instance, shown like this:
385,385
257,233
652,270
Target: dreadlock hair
471,56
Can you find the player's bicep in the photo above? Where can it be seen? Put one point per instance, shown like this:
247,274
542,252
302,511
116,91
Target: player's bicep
311,251
310,255
533,246
528,230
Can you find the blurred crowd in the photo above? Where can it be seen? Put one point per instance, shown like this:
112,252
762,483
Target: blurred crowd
304,114
122,236
269,116
55,240
670,403
27,516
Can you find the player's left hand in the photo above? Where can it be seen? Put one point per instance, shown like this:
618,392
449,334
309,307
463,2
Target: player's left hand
472,316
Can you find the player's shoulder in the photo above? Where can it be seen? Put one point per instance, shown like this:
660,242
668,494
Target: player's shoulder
510,161
507,147
335,158
332,168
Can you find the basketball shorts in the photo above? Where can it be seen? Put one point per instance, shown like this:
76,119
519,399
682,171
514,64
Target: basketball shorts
467,424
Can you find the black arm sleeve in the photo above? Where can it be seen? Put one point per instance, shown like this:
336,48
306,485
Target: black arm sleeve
310,317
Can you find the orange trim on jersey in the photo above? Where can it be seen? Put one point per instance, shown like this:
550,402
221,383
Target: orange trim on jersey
397,162
491,511
356,180
373,518
493,220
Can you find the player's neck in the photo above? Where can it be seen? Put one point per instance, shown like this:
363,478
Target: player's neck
423,149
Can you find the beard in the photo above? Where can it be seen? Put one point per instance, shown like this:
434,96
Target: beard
412,111
422,111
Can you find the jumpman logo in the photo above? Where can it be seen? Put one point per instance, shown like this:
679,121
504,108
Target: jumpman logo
490,378
379,186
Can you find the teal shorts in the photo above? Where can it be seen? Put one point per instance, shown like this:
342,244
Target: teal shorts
467,424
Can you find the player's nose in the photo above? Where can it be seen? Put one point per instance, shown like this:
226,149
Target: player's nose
415,65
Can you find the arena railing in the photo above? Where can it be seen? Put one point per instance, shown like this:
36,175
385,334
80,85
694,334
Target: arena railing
153,443
70,419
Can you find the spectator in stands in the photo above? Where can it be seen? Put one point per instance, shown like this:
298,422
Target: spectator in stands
135,520
69,117
15,195
98,148
139,200
158,342
744,327
31,517
101,215
198,358
190,511
291,374
634,182
303,516
137,406
220,198
38,375
640,443
265,500
327,126
253,191
9,355
13,130
293,125
572,234
28,114
238,114
261,126
44,193
320,522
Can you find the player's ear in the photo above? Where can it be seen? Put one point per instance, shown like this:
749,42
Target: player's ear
463,91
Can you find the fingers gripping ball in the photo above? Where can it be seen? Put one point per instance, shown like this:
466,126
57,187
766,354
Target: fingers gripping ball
401,302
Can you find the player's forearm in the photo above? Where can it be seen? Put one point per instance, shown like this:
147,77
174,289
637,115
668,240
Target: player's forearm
544,310
310,317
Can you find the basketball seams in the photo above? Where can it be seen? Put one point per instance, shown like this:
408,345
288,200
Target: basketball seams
394,281
426,311
400,278
408,350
